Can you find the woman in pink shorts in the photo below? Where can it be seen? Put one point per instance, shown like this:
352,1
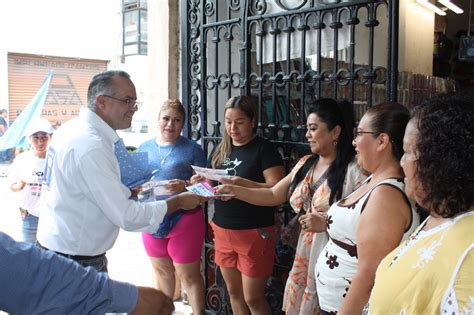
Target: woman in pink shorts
177,246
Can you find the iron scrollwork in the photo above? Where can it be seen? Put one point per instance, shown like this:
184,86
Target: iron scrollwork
273,51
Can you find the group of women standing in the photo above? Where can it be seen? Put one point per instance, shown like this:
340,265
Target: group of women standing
349,222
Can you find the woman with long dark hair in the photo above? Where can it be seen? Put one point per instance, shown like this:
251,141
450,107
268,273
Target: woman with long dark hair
318,179
371,221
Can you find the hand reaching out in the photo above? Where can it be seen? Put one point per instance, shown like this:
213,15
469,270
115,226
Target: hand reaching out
196,179
233,180
189,200
18,186
175,186
227,190
151,301
313,222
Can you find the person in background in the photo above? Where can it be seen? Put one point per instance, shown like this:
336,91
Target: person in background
5,155
3,121
433,271
318,179
84,203
244,234
366,225
35,281
26,176
177,246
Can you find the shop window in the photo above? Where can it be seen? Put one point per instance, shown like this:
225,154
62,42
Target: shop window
135,27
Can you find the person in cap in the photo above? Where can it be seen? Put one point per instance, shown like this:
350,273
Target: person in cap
26,176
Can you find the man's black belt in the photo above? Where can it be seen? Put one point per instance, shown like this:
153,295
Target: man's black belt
73,257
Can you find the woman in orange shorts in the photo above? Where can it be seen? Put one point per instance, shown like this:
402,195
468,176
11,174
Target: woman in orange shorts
244,234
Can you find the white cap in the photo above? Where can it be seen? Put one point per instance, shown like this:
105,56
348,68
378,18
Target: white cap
39,125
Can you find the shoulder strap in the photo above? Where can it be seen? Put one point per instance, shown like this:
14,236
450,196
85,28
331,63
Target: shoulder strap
320,180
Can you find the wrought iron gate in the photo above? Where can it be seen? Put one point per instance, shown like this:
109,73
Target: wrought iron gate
285,53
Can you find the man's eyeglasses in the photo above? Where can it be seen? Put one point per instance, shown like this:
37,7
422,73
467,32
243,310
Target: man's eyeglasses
358,132
131,103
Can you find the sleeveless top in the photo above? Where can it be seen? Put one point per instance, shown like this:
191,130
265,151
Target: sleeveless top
337,263
431,273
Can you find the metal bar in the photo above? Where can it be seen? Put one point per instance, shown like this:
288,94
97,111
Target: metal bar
302,68
289,24
318,57
229,50
274,91
352,60
202,87
245,48
260,74
185,78
220,23
216,72
335,22
393,50
371,16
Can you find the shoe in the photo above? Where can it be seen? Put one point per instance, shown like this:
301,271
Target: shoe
185,298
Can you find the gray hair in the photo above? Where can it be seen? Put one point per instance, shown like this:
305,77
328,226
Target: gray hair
102,84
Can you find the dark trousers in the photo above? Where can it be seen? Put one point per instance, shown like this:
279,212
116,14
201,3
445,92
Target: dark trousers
98,262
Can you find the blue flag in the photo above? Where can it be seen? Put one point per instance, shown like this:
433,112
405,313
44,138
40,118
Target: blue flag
15,135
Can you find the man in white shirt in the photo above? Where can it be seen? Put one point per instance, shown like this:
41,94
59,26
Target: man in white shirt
84,202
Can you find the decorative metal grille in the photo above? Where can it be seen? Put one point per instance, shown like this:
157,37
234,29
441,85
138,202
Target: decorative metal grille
286,54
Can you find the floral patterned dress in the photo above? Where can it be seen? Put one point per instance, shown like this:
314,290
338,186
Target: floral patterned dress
300,291
337,264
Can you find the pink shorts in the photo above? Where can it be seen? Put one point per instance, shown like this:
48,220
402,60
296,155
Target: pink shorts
251,251
183,244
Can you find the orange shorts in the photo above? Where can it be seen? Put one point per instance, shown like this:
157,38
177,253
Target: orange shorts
250,251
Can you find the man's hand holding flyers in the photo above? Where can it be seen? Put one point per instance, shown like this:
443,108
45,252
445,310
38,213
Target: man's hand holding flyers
206,190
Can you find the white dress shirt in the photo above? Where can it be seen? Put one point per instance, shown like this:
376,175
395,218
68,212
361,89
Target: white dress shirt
84,204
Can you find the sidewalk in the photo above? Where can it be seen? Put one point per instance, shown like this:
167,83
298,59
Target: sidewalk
127,259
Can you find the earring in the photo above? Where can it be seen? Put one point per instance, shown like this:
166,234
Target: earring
335,142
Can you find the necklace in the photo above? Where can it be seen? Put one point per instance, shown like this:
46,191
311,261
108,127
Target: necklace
163,159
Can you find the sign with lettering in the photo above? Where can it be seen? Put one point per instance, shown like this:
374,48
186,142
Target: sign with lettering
68,88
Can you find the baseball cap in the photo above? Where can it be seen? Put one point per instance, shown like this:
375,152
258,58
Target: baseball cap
39,125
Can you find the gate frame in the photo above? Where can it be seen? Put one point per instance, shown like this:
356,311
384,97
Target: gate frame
193,90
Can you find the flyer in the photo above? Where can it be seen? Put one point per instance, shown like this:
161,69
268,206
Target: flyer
206,190
210,173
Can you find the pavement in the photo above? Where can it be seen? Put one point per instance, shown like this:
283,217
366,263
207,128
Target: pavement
128,261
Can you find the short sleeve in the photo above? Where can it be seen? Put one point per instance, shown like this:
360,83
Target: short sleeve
464,284
270,156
